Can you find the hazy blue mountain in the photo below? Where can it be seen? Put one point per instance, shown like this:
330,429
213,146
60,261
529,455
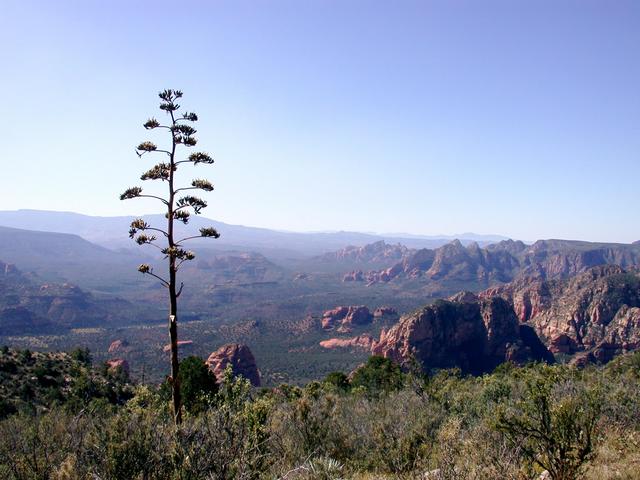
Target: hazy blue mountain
465,238
65,257
111,232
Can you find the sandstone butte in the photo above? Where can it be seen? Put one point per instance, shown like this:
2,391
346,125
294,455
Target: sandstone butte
592,316
346,316
472,334
364,341
241,360
118,345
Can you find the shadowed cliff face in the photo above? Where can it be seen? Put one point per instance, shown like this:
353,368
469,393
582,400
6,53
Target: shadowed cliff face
597,311
472,334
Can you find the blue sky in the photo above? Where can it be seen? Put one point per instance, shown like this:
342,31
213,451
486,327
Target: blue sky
509,117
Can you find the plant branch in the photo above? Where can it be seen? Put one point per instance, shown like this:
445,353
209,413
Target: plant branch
164,282
188,238
157,230
154,196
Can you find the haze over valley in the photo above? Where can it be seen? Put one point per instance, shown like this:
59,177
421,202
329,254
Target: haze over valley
263,288
320,240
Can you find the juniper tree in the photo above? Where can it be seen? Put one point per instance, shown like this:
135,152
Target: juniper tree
179,205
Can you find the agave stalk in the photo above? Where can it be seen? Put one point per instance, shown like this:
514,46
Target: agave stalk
178,207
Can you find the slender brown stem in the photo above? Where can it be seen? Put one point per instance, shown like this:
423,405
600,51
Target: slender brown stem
173,296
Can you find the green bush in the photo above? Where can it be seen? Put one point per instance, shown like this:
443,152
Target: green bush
82,355
379,375
509,425
555,421
197,384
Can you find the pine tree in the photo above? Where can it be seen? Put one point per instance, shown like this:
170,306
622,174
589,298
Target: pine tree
179,207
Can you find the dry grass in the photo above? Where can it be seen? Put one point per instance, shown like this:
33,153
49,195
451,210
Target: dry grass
618,457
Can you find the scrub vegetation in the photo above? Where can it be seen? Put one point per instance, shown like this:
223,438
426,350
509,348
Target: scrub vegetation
378,422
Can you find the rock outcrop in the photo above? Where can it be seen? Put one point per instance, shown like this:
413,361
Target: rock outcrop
241,360
357,315
346,317
364,342
384,311
597,311
506,261
354,276
118,346
239,268
376,252
331,318
118,364
474,336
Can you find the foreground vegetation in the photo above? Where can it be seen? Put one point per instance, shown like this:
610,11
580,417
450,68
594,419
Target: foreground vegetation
378,423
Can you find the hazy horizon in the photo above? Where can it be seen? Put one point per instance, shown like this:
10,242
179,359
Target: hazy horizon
467,235
517,119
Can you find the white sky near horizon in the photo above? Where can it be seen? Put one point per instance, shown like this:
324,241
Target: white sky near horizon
428,117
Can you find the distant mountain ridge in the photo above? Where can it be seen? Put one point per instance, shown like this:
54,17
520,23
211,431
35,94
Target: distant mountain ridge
27,304
111,232
59,256
371,253
507,260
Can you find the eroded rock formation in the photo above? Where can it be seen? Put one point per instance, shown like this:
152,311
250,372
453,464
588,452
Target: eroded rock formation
597,311
505,261
364,341
241,360
384,311
346,317
473,335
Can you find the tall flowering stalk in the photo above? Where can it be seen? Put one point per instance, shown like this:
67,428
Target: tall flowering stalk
180,205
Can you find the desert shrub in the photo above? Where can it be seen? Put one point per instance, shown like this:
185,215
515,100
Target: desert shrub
488,454
305,427
337,381
397,432
621,406
127,445
555,421
25,356
197,385
230,440
474,452
82,356
289,392
6,408
511,424
33,447
88,388
313,389
8,365
317,468
379,375
451,464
